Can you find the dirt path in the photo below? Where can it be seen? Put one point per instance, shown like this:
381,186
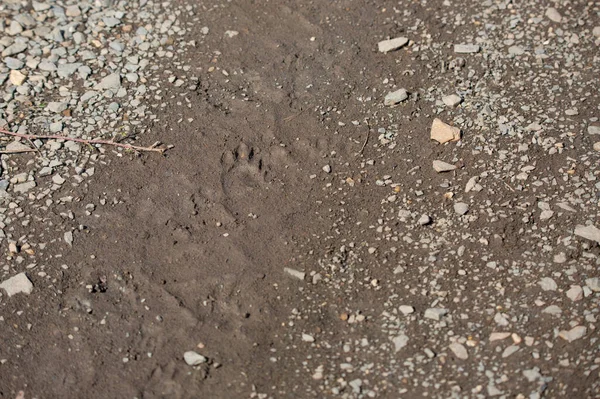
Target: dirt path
286,163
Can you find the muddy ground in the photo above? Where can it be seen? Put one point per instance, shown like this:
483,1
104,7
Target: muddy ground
279,161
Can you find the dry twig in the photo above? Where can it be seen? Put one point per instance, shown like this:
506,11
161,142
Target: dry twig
31,137
366,138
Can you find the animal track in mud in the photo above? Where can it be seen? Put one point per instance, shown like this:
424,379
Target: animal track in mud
243,171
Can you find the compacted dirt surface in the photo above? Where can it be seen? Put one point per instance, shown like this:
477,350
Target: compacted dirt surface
301,236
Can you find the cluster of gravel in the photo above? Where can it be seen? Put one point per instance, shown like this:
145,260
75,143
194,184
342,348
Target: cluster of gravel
82,69
486,255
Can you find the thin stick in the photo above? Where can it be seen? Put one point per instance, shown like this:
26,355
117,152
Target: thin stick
367,138
84,141
18,151
289,118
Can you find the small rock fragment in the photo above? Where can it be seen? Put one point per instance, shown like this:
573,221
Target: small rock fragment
17,284
590,232
459,350
406,310
193,359
400,342
110,82
308,338
68,236
452,100
295,273
573,334
553,15
575,293
510,350
443,133
424,220
593,284
395,97
466,48
498,336
441,166
386,46
461,208
593,129
552,309
17,77
548,284
435,313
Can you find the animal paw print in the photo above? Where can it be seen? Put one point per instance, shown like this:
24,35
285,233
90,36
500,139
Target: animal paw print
243,171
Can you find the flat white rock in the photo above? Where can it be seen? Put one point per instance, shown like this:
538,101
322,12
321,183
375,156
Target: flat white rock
441,166
424,220
395,97
452,100
308,338
590,232
498,336
406,310
548,284
17,284
295,273
593,283
575,293
573,334
435,313
553,14
193,359
459,350
400,342
466,48
461,208
510,350
594,129
386,46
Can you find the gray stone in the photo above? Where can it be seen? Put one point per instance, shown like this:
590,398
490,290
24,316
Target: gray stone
548,284
22,188
17,284
66,70
466,48
15,48
47,66
400,341
435,313
386,46
452,100
553,15
593,129
461,208
56,127
56,107
424,220
441,166
110,82
459,350
573,334
295,273
13,63
589,232
395,97
111,22
593,283
192,358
